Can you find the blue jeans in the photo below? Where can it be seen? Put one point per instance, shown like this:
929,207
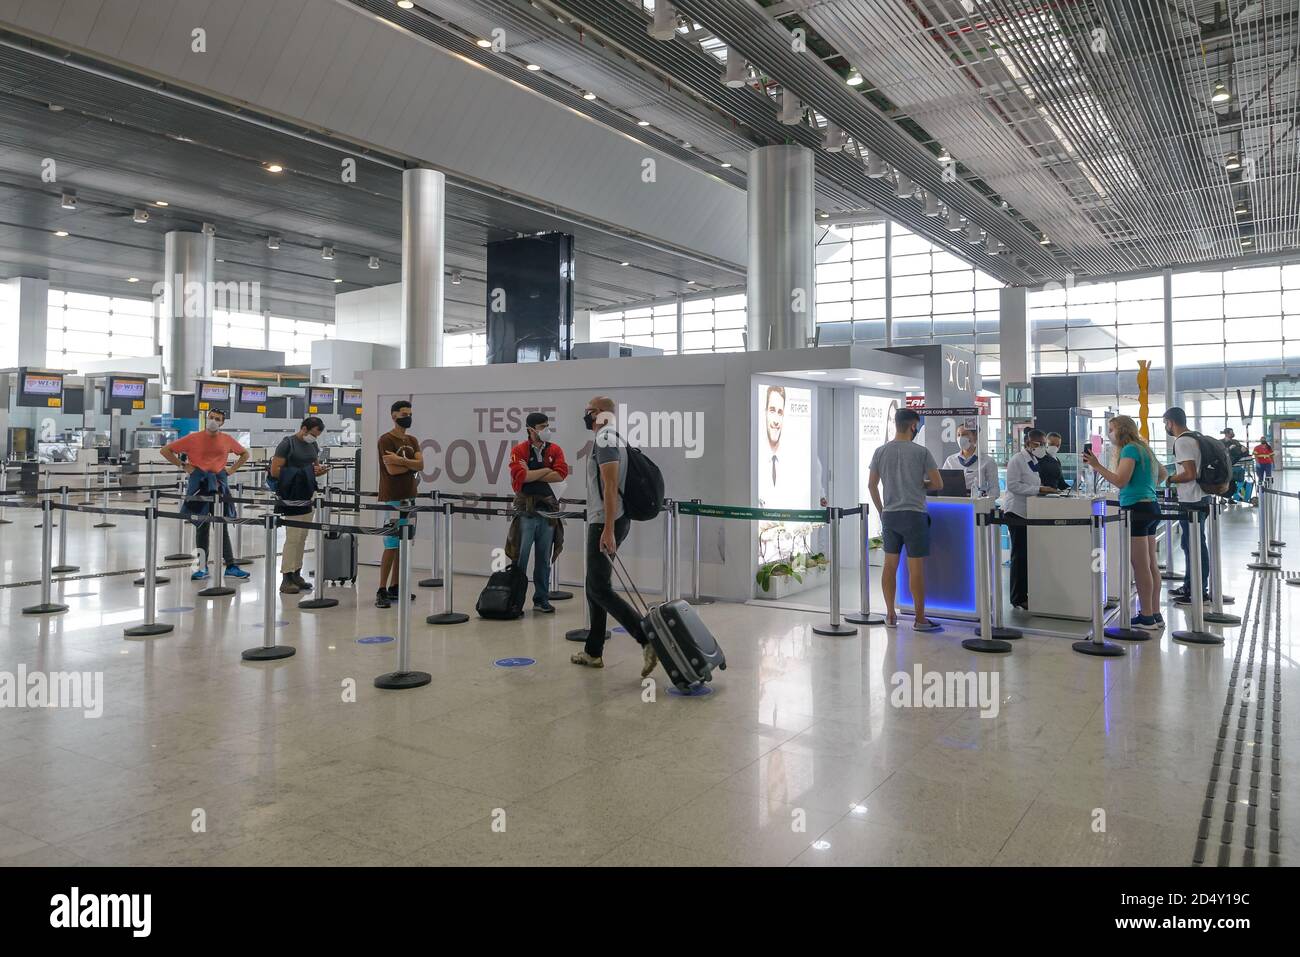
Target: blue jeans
1185,533
533,529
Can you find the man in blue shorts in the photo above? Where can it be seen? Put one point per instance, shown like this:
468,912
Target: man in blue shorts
908,470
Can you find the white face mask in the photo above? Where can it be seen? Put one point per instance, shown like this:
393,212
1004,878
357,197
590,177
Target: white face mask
213,425
1051,450
310,438
1038,453
966,442
545,434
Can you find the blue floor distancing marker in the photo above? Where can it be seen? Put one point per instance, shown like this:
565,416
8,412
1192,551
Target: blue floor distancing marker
700,692
514,662
374,640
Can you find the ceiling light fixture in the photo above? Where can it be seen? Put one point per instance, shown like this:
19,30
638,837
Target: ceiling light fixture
406,4
1247,241
274,168
60,233
272,242
791,109
1233,162
954,221
854,78
904,188
533,67
834,138
1241,210
974,234
1043,240
161,203
737,73
455,277
664,26
338,280
883,382
485,44
726,166
327,253
625,264
140,216
132,278
876,168
931,205
944,155
589,95
1221,93
374,262
68,200
642,122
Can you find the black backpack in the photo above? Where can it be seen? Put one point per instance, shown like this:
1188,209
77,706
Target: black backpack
503,596
1215,475
643,492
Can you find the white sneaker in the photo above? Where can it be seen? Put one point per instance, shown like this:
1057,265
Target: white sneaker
582,658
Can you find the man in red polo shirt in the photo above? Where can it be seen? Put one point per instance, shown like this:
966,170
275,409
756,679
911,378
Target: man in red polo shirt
535,463
208,451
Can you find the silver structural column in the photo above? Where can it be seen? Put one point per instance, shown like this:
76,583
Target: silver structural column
151,626
63,565
835,627
1098,646
983,599
1196,635
1216,614
434,580
268,650
46,606
864,615
449,615
1124,631
185,326
404,677
423,208
318,599
781,277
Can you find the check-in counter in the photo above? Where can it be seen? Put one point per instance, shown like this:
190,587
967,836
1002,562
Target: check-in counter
1060,557
950,567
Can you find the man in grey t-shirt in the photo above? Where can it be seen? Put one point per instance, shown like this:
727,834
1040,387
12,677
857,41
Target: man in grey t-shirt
907,469
607,526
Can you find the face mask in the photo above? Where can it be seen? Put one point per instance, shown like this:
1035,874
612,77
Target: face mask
213,426
544,434
1038,453
966,442
588,418
309,438
1052,450
404,421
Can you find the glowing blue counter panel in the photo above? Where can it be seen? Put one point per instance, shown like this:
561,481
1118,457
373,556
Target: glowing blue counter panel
950,567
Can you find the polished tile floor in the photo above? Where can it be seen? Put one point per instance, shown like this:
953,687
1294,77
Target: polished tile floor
799,757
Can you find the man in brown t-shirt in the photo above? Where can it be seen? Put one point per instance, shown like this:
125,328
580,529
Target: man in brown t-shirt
400,461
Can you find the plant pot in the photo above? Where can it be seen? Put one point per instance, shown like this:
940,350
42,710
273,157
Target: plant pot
783,586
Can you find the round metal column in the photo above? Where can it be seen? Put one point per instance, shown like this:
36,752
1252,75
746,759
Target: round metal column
423,206
781,276
185,327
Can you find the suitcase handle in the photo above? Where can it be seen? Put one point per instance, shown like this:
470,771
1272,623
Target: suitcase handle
625,579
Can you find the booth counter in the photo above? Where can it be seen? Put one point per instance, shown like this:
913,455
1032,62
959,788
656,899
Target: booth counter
950,567
1060,558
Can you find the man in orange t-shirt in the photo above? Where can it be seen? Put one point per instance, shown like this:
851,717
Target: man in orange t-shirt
209,451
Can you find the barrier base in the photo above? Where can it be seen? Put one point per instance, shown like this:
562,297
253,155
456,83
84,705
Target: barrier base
318,603
5,521
430,583
396,680
1127,634
1002,632
1099,649
709,601
215,591
147,631
60,569
1171,576
1197,637
1222,618
865,618
1264,567
580,634
559,595
242,561
178,557
986,645
1276,544
444,618
104,525
157,580
834,630
50,608
274,653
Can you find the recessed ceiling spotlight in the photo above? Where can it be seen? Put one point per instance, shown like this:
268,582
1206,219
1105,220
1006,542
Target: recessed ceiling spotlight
625,264
885,382
455,277
338,280
1043,240
374,262
1221,93
272,242
1233,162
854,78
726,166
485,44
132,278
642,122
60,233
533,67
55,108
589,95
944,155
406,4
1241,210
140,216
327,253
274,168
823,215
161,202
68,200
691,282
1247,241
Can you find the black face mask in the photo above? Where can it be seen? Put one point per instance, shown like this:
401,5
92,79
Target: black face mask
404,421
588,418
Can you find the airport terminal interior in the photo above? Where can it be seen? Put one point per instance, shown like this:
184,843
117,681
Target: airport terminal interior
391,296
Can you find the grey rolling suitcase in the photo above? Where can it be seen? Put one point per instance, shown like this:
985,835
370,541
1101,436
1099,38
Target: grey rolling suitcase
339,562
685,646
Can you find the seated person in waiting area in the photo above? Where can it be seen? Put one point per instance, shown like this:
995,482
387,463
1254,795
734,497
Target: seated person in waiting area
207,453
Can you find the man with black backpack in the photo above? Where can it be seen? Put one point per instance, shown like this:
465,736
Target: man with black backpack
608,523
1192,452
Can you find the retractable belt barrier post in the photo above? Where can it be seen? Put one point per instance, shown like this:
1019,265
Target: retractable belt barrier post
268,650
448,615
435,579
151,576
239,529
1216,614
670,550
864,615
182,553
150,627
105,523
983,598
1168,573
46,606
220,589
1098,646
1000,631
47,495
1263,550
694,597
4,491
63,565
1196,635
404,677
1275,509
1125,631
835,627
317,599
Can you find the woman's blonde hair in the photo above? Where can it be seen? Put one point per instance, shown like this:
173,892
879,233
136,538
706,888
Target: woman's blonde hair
1127,432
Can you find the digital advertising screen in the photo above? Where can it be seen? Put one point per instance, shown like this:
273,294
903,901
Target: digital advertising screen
875,428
